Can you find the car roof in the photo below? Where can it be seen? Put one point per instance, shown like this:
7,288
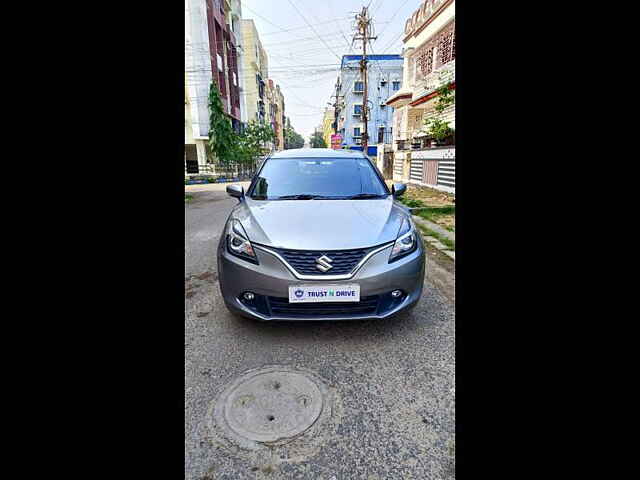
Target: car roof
317,153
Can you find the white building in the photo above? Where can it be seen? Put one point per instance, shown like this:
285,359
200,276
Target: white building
429,63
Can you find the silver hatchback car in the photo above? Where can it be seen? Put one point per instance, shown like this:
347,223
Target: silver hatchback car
319,236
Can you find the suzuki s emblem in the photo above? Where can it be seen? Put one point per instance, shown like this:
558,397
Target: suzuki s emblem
324,263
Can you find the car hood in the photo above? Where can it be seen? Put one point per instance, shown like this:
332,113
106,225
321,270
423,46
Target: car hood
320,224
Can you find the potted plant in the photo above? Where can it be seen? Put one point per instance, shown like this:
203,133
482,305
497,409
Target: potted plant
439,131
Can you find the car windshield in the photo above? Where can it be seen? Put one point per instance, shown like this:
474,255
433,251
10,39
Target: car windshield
309,178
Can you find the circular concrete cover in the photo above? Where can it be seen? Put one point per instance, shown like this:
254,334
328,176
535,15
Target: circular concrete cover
273,405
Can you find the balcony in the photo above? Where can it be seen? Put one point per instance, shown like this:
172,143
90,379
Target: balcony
428,84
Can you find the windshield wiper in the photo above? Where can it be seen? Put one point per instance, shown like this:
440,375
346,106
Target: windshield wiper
365,196
303,196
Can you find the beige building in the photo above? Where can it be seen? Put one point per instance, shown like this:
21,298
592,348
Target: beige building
255,73
280,119
327,125
275,113
429,63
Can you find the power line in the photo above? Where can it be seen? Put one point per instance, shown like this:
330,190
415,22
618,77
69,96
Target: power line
284,30
311,27
393,41
300,28
378,8
393,16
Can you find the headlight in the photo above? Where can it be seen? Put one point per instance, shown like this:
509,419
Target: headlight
238,243
406,242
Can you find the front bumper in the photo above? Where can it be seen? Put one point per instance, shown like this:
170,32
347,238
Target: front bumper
270,281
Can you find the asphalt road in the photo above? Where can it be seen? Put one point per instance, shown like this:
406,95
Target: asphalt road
395,379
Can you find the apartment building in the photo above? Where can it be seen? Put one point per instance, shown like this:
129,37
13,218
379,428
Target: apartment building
212,54
384,78
256,73
328,120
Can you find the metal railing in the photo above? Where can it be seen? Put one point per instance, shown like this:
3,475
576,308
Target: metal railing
384,136
223,172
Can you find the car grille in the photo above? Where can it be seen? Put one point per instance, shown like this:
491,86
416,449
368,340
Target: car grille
304,261
282,307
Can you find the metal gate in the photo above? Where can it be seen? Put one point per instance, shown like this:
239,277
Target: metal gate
191,158
447,173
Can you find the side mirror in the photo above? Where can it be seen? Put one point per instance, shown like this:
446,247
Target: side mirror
397,189
235,191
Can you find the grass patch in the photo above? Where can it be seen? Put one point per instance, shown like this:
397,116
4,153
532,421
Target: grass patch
444,216
187,197
450,244
429,196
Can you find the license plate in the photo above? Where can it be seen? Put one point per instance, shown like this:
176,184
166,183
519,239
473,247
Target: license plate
324,293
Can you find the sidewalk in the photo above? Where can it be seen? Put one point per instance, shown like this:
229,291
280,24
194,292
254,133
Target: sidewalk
436,242
212,187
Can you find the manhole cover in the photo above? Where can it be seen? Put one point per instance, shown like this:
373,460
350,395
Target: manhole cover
269,406
273,415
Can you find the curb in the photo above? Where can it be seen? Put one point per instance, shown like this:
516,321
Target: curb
433,241
435,227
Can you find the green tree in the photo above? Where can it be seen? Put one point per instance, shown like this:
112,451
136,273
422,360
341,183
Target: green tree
292,139
252,142
256,135
223,140
317,140
437,128
225,144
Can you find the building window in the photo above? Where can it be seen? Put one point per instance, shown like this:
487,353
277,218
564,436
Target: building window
445,48
356,132
358,87
396,86
453,47
424,63
357,109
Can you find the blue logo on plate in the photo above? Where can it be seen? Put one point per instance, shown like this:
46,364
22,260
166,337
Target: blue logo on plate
298,293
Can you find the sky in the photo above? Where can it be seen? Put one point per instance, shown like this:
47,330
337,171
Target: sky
305,63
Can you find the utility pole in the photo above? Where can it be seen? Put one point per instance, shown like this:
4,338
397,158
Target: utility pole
335,109
364,30
336,106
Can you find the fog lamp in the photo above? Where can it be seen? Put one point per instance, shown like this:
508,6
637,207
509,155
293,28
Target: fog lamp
249,296
396,293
